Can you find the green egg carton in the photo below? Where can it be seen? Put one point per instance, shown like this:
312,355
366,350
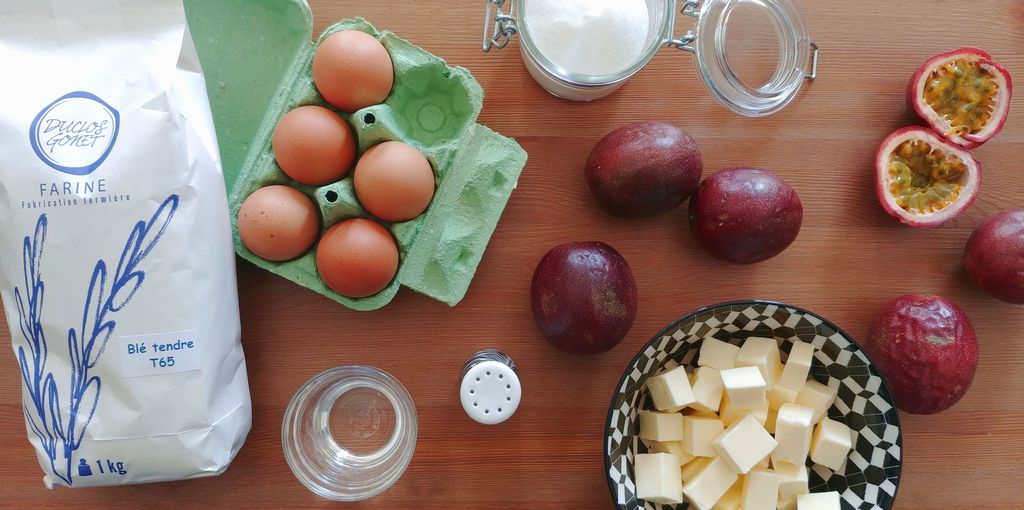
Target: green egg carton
257,56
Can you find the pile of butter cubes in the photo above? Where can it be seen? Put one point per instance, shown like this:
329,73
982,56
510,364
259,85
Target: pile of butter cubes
736,433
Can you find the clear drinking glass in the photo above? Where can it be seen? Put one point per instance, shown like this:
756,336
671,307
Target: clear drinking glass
349,433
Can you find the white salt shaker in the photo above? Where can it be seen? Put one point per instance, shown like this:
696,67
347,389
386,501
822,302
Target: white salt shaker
586,49
490,389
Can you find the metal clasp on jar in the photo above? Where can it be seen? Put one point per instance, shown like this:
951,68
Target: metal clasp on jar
690,8
504,24
686,41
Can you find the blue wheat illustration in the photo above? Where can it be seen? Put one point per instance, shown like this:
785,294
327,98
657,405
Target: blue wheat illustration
59,431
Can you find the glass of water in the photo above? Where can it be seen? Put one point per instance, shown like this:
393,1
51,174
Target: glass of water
349,433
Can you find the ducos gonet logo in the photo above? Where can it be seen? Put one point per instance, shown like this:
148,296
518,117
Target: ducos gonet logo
75,133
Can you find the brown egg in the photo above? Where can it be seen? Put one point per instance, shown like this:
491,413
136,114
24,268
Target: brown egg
394,181
352,70
313,145
357,258
278,223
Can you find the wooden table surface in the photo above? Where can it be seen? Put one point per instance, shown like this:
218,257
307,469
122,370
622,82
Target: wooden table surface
849,259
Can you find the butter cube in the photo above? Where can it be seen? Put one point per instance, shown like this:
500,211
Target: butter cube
705,489
698,434
671,390
760,490
818,501
779,394
831,444
818,397
744,444
798,365
731,414
792,479
707,390
769,422
658,478
793,429
673,447
762,353
717,354
745,387
657,426
786,504
694,467
733,498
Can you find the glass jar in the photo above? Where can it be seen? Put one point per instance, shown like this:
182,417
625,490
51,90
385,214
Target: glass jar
349,433
708,39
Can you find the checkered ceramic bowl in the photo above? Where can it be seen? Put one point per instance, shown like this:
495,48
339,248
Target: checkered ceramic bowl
871,474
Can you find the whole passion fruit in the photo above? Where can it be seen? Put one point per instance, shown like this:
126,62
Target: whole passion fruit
745,215
963,95
994,257
924,180
926,349
643,169
583,297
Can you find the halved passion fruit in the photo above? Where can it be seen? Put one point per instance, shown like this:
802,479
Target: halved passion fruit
923,179
963,95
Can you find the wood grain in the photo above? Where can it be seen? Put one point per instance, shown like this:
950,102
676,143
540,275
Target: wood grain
850,258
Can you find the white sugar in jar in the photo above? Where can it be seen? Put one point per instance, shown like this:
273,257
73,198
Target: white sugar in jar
586,49
618,28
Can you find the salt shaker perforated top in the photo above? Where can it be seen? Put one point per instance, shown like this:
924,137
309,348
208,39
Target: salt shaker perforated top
490,389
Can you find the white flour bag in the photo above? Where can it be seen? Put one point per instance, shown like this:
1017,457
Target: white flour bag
116,263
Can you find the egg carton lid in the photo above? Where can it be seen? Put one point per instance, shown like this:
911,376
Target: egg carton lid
246,49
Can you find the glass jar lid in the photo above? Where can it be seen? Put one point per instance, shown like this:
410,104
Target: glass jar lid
753,55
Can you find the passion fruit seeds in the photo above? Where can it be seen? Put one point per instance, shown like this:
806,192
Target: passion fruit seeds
963,95
926,177
924,180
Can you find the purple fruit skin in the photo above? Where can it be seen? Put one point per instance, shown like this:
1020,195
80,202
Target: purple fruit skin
745,215
926,349
643,169
994,257
583,297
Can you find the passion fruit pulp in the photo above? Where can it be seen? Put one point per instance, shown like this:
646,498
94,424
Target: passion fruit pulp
963,95
924,180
